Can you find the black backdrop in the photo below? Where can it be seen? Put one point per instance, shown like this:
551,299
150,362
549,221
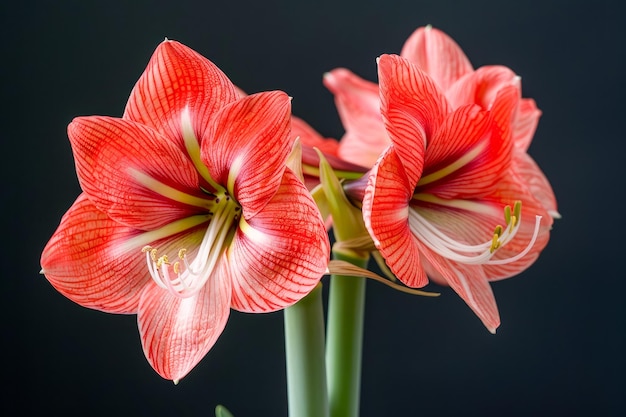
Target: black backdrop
560,350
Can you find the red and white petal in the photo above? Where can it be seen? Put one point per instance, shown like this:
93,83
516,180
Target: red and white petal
279,255
532,176
525,123
386,216
113,155
467,156
246,145
176,333
482,86
178,77
358,104
88,261
412,107
438,55
469,282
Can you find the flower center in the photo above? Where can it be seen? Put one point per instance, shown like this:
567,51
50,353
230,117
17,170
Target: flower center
184,277
479,254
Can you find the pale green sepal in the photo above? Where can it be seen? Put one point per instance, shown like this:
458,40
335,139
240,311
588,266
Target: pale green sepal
347,219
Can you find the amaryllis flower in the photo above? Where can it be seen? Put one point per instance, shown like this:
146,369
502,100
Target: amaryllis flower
443,201
187,210
439,56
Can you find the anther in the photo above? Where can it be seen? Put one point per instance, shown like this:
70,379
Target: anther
161,261
507,215
517,211
181,253
495,243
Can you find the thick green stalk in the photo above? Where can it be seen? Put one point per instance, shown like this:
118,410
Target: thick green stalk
346,308
304,350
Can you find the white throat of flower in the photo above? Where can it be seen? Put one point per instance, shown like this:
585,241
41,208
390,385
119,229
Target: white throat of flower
183,278
480,254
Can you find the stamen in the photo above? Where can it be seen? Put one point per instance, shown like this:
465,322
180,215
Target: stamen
189,277
478,254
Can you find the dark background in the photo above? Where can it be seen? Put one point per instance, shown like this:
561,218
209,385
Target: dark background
561,348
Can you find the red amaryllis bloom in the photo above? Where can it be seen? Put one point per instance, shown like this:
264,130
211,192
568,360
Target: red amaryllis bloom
187,210
443,60
443,200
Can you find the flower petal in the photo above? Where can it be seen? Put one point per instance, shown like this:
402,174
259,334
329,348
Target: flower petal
279,255
413,108
110,156
178,77
534,178
469,283
482,86
437,54
525,123
358,104
176,333
466,157
246,146
386,216
85,262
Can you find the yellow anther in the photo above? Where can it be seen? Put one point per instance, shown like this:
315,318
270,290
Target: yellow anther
177,267
153,253
146,248
495,243
513,222
498,231
181,253
507,215
162,260
517,211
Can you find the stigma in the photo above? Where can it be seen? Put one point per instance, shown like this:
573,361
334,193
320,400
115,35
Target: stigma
479,254
190,269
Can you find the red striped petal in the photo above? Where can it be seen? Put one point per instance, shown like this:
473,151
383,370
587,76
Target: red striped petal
469,283
176,333
177,77
413,108
525,123
358,104
280,254
246,145
437,54
535,180
87,260
467,156
482,86
109,152
385,212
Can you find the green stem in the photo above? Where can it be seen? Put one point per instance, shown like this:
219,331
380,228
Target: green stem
304,350
346,307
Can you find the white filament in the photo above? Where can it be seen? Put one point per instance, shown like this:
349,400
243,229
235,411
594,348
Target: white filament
184,278
480,254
